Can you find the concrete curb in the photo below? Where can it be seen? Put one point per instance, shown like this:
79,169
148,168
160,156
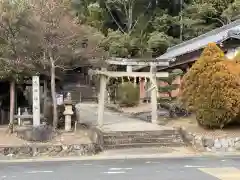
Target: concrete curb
121,157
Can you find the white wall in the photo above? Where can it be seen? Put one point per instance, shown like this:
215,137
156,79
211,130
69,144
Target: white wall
232,52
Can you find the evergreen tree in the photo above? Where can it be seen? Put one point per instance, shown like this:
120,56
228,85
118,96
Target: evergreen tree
166,99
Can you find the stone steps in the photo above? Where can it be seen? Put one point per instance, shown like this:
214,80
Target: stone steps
137,139
83,93
142,133
142,145
141,140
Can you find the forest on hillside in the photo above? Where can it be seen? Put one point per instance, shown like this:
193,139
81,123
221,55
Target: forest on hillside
146,28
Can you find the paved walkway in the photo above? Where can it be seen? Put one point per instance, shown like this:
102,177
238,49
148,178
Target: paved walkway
114,121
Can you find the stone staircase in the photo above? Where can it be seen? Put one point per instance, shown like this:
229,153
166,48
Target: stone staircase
79,89
138,139
81,93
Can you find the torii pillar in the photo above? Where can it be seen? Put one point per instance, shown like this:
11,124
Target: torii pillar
101,98
154,91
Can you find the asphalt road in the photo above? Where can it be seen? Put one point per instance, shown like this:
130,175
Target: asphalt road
132,169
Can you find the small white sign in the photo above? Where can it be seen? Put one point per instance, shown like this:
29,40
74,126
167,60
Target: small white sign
59,98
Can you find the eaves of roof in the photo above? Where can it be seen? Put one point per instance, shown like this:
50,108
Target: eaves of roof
217,35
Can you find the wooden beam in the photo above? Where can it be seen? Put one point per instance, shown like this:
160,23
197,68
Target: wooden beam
137,62
129,74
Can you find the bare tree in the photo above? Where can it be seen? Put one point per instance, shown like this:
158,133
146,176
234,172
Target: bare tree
63,42
17,45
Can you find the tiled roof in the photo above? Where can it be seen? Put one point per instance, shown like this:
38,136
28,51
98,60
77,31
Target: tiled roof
217,35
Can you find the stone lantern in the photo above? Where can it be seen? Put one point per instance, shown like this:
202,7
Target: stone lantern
68,112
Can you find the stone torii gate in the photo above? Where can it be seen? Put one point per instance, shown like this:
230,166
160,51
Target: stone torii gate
152,75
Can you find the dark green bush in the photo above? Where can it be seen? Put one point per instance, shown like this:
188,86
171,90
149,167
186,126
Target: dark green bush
128,95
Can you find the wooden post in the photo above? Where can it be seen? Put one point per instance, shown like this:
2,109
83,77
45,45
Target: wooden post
101,98
12,104
45,91
135,81
2,116
154,115
19,119
36,100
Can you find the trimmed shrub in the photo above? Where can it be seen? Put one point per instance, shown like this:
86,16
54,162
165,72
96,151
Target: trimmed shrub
211,88
128,95
170,102
175,109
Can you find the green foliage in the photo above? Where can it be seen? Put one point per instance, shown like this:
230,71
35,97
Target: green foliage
128,95
129,26
170,102
169,85
148,28
123,45
158,42
153,25
211,88
232,12
201,16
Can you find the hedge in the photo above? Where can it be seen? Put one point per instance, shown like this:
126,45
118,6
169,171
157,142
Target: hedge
211,88
128,94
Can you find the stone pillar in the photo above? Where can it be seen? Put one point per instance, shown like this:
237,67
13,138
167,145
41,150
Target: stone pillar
101,98
154,92
36,100
129,68
135,81
68,113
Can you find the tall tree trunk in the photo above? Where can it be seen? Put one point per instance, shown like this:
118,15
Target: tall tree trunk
53,93
130,17
12,104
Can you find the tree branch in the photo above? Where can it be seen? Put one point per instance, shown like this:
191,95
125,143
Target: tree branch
109,10
219,20
136,22
13,36
64,68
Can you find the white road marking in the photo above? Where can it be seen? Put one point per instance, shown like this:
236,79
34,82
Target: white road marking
115,172
114,169
87,164
117,169
128,168
190,166
34,172
226,173
3,177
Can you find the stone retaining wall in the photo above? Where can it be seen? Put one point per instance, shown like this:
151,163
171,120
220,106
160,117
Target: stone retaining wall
211,144
48,150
